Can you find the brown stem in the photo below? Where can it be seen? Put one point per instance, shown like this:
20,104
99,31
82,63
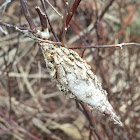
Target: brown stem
105,10
44,7
27,15
130,17
97,46
64,25
42,17
98,19
72,11
16,27
91,121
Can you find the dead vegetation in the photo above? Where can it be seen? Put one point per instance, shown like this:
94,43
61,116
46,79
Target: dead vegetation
31,106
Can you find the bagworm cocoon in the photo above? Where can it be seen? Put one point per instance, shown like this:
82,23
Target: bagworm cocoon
75,78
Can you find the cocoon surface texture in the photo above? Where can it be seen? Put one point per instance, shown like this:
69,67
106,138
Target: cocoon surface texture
75,78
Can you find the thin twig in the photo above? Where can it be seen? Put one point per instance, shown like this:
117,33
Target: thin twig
48,41
27,15
64,25
96,23
42,17
108,46
10,95
71,13
54,8
133,11
17,27
19,128
106,9
4,5
44,7
98,19
26,31
91,121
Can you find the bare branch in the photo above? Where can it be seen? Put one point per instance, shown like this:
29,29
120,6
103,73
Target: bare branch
54,8
44,7
107,46
27,15
26,31
42,17
91,121
4,5
16,27
71,13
